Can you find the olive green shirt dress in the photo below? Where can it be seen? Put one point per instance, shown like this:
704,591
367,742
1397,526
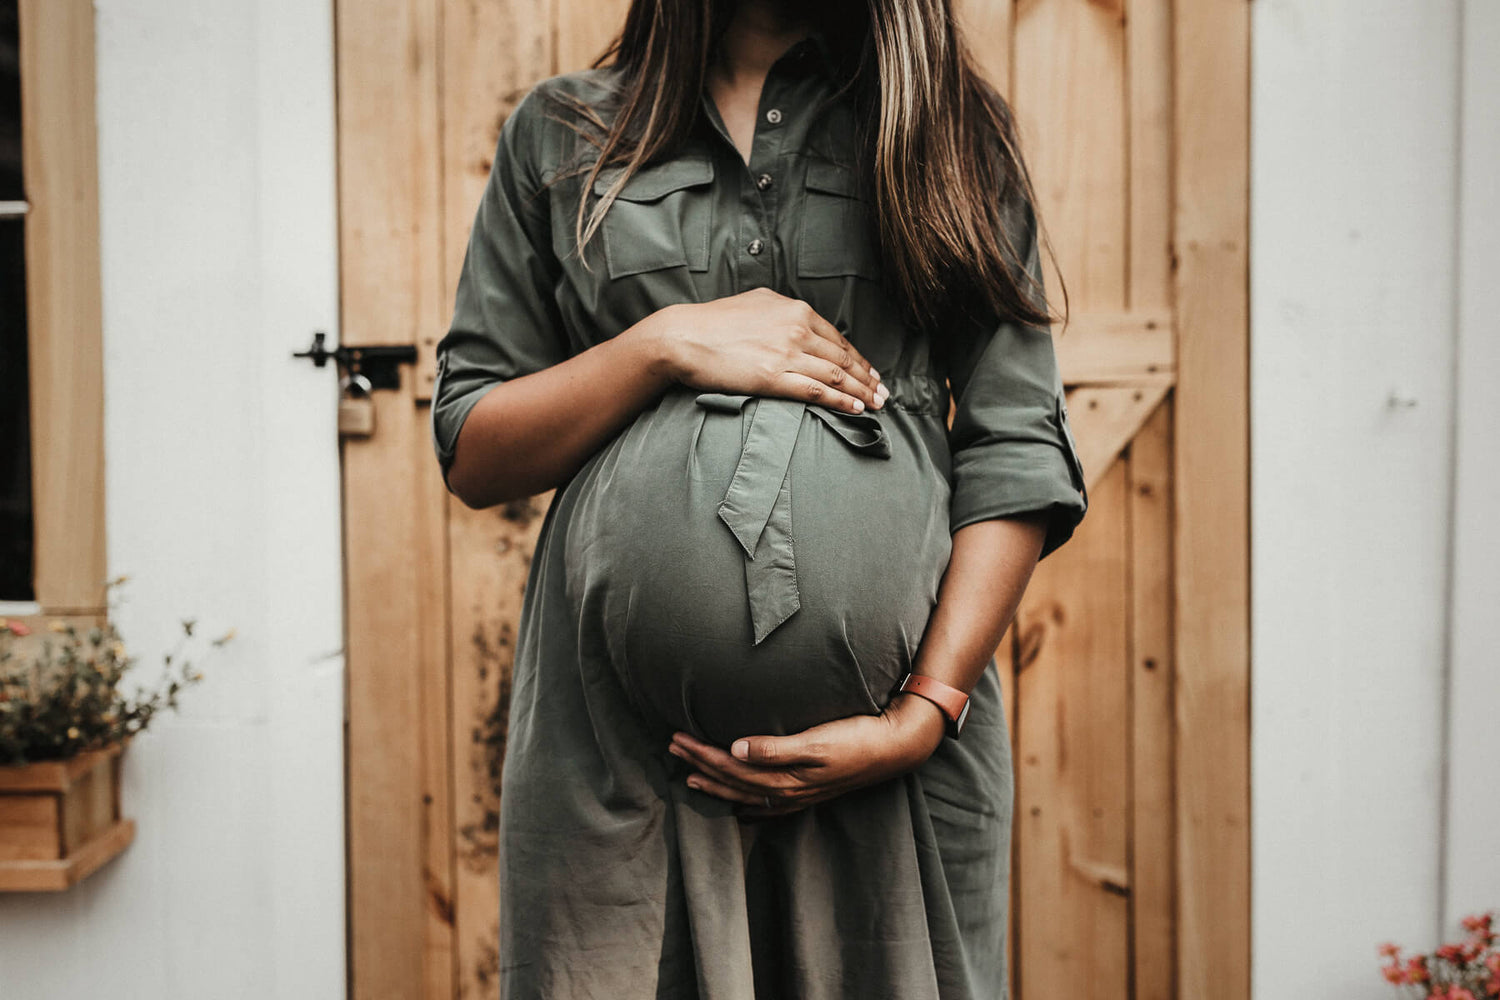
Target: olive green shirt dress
735,565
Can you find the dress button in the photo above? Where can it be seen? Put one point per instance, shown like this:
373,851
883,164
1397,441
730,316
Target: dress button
763,181
755,247
774,116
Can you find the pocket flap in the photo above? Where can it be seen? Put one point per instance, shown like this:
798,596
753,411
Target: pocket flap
861,431
655,180
833,178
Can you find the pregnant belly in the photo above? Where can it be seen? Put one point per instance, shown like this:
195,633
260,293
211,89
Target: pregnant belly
757,566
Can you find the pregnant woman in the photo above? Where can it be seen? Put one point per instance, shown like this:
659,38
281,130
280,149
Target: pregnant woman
722,293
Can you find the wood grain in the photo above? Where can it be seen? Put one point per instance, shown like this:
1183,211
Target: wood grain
60,820
1072,766
1105,419
435,666
478,92
64,873
487,553
30,827
63,305
490,555
1136,347
1153,747
1069,69
988,28
583,28
1149,85
390,274
1211,213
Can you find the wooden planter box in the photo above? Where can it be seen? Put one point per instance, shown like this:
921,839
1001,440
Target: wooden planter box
60,820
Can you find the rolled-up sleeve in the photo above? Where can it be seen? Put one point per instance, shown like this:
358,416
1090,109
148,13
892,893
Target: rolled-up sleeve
505,317
1013,452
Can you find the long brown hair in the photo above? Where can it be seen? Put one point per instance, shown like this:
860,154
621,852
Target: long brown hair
949,185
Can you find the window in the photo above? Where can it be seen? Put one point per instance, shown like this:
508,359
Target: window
17,531
51,381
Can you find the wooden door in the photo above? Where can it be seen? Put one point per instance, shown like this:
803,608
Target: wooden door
1127,670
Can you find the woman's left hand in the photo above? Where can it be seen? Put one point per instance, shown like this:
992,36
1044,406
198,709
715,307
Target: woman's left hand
776,775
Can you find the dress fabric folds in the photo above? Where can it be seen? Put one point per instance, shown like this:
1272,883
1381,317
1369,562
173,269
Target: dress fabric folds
689,576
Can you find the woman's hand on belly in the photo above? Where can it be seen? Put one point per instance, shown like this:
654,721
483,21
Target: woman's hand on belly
991,563
775,775
764,343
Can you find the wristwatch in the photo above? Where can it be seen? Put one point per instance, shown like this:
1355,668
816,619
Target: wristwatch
953,702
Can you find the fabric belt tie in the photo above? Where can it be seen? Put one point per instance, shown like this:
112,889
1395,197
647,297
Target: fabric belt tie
757,507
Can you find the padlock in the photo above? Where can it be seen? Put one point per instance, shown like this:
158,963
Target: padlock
356,407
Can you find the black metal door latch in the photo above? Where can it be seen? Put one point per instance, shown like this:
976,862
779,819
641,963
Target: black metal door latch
371,367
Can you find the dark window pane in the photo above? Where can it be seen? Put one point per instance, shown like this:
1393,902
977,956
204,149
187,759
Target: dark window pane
16,526
10,105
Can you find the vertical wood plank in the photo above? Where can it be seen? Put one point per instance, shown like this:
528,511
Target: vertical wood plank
583,28
434,666
987,26
1069,68
1152,832
391,269
1211,118
490,555
489,551
1149,68
478,92
1073,764
66,368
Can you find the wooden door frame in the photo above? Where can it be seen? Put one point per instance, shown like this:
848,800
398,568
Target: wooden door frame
1211,619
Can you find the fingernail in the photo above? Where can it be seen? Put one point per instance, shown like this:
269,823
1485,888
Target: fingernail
741,749
883,389
695,784
859,404
875,374
675,750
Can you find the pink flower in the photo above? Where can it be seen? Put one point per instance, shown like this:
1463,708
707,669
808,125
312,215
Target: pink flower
16,628
1394,974
1389,950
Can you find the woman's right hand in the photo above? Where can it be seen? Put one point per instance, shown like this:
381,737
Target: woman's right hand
763,343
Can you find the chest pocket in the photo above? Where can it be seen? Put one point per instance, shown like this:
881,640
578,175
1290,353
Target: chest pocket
838,234
661,217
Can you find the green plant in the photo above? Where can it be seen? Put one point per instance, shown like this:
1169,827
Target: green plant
65,699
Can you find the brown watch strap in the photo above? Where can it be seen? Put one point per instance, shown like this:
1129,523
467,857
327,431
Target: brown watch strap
953,702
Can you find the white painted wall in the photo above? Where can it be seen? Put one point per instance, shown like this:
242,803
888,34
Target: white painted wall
217,197
1356,293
